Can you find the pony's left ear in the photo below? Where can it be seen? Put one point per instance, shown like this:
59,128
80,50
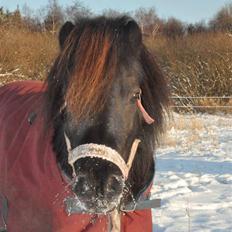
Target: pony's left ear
133,31
64,32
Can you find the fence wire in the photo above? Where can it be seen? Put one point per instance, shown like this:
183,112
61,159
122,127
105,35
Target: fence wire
187,105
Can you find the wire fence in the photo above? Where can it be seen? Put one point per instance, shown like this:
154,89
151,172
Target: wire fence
206,97
189,104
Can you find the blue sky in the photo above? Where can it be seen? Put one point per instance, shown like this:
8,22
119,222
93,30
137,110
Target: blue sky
185,10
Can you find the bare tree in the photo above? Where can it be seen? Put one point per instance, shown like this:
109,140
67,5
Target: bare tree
173,28
113,13
2,16
199,27
148,20
27,11
76,10
29,20
54,17
223,19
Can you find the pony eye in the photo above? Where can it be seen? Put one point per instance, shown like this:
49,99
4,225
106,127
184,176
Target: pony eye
137,94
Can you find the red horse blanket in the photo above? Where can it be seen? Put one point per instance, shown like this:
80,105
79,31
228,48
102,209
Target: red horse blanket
30,177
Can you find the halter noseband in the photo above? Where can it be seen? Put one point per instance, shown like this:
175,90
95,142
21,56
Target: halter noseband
101,151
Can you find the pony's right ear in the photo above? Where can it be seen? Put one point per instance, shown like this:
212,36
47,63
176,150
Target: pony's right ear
64,32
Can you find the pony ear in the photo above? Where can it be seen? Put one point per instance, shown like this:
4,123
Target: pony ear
64,32
133,31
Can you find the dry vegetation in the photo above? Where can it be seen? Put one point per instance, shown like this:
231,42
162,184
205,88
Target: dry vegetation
182,123
197,59
25,54
197,65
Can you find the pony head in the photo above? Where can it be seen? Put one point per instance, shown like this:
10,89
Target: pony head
102,90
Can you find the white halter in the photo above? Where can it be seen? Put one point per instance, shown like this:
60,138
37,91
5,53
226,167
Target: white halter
101,151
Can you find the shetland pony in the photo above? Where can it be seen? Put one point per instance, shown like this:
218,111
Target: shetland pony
90,97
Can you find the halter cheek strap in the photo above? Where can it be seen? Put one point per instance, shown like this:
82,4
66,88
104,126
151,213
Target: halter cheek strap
148,119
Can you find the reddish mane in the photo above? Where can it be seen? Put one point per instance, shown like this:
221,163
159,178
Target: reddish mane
94,70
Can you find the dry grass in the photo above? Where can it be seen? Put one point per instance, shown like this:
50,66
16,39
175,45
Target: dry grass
198,65
178,122
24,54
189,131
183,123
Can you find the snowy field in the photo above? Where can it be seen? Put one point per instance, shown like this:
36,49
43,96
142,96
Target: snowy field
194,175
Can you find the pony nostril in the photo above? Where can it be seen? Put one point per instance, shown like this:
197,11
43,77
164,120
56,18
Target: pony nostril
114,186
82,186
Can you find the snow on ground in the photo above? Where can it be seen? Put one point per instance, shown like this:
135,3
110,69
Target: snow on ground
194,175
